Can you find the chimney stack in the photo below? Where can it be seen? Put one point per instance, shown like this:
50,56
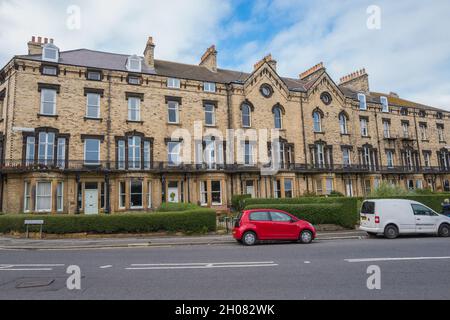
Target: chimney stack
358,81
149,53
305,75
36,44
209,59
269,60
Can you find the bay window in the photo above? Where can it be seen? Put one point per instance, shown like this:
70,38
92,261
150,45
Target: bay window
216,193
43,196
204,193
136,194
60,197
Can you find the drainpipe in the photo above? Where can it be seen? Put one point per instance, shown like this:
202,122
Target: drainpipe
304,141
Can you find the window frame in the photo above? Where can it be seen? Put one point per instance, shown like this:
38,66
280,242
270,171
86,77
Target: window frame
211,112
362,98
132,59
214,203
173,83
248,116
173,106
86,163
278,118
176,146
135,181
60,196
385,104
49,47
136,108
49,196
88,106
27,197
210,87
43,101
317,122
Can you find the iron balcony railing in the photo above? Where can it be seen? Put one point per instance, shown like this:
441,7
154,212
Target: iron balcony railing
153,166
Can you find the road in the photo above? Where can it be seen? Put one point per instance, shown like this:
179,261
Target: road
411,268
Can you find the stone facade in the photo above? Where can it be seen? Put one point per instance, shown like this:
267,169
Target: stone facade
313,157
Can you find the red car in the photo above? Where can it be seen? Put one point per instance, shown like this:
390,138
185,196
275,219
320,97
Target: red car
267,224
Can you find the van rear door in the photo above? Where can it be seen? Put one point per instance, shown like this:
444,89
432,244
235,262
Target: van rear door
368,214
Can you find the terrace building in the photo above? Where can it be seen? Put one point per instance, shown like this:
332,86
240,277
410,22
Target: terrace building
92,132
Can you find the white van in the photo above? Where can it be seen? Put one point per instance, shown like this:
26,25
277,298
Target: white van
392,218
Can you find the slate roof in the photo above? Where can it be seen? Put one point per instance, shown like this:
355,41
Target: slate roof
112,61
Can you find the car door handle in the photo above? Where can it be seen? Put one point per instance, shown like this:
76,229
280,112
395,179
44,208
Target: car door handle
418,219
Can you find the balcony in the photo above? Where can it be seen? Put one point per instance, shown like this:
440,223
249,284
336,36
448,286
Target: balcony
74,166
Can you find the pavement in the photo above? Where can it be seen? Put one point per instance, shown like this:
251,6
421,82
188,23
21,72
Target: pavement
157,241
411,268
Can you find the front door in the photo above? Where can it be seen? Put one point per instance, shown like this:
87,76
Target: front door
91,202
172,193
283,227
426,219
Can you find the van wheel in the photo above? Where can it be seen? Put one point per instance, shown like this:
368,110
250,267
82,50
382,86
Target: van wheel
249,238
391,232
444,231
306,237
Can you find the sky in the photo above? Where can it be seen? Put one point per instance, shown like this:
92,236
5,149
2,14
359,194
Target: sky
404,44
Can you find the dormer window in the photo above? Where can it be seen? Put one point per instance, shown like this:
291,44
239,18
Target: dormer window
422,114
362,101
385,103
134,64
404,111
50,52
439,115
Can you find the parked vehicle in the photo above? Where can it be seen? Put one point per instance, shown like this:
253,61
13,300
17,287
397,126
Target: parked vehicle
392,218
446,208
267,224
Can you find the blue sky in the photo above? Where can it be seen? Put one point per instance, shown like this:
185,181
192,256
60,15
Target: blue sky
409,54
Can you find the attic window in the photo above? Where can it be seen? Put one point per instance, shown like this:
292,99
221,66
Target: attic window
439,115
50,53
422,114
404,111
94,75
362,101
50,70
134,64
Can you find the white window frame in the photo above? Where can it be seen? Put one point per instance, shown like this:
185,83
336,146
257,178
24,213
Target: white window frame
203,193
121,156
387,129
278,110
177,155
317,120
149,195
122,192
147,155
441,134
61,152
93,106
214,192
43,102
46,196
134,59
346,156
134,157
212,112
89,77
362,101
248,151
364,127
27,197
53,72
60,196
427,159
173,106
385,103
45,51
423,132
136,108
343,122
209,87
329,186
99,152
390,159
30,151
249,116
48,148
291,189
132,207
405,129
173,83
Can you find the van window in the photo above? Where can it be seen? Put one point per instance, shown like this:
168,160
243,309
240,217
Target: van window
260,216
368,207
422,210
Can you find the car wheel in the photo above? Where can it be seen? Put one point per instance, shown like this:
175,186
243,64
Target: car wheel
444,231
306,237
391,232
249,238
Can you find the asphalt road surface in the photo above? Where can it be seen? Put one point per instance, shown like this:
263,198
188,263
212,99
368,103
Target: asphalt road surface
411,268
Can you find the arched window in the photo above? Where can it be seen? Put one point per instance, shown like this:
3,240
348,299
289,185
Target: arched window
246,116
343,122
278,117
317,117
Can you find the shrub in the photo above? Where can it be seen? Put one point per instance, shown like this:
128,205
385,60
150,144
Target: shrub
193,221
238,201
336,194
175,207
388,190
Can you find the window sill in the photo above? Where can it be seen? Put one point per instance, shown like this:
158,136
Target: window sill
93,119
345,134
366,137
443,142
211,126
174,124
40,115
137,122
319,132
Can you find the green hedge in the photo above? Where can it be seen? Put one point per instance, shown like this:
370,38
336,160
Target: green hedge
317,210
238,201
315,213
175,207
194,221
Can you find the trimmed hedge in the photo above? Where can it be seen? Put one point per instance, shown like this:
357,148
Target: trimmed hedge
175,207
238,201
317,210
194,221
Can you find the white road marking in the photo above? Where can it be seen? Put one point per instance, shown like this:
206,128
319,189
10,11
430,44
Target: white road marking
29,267
396,259
106,267
199,264
307,262
180,266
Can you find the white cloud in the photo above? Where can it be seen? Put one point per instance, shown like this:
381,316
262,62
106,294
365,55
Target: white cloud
181,29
